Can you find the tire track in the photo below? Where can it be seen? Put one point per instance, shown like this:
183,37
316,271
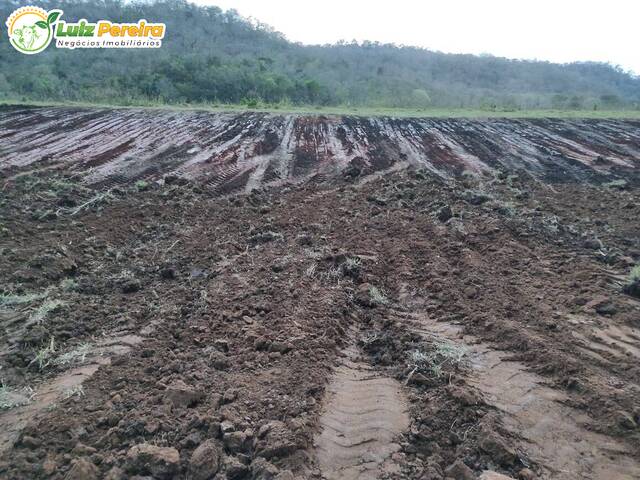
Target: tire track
555,434
363,415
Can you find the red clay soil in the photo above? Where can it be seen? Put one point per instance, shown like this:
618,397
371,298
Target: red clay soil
209,331
240,151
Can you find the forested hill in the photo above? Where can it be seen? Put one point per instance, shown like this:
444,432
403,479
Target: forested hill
218,57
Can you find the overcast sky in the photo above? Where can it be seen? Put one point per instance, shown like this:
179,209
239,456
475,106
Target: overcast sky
555,30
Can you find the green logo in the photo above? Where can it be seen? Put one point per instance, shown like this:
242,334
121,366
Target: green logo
31,28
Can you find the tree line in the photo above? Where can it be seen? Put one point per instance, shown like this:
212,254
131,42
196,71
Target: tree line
212,56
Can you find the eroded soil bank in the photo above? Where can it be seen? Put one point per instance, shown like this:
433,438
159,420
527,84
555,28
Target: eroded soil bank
250,312
235,152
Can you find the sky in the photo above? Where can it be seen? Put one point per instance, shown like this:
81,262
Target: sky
554,30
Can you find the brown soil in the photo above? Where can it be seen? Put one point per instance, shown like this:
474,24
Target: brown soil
163,330
364,414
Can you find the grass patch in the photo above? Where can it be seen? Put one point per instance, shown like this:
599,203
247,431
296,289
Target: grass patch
352,267
10,398
44,356
632,285
43,310
9,300
332,274
508,209
353,262
61,186
348,110
69,285
310,271
444,354
75,356
378,296
77,391
141,185
619,184
98,199
634,275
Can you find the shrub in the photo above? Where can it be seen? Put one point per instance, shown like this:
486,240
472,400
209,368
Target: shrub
141,185
632,287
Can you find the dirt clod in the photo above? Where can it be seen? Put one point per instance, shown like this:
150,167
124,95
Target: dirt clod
626,420
115,473
498,448
276,441
205,460
526,474
182,395
130,285
444,213
161,462
491,475
459,471
82,469
237,442
234,468
261,469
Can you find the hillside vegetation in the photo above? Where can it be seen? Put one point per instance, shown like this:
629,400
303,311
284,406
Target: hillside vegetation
215,57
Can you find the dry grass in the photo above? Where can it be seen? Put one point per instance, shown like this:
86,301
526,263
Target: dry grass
445,353
43,310
10,398
378,296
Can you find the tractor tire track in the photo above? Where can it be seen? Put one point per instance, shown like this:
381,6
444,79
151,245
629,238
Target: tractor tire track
363,416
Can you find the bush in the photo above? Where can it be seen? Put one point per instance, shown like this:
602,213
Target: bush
141,185
632,287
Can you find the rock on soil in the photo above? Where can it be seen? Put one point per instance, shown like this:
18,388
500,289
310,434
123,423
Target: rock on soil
205,460
182,395
234,468
275,439
82,469
459,471
161,462
498,449
444,213
261,469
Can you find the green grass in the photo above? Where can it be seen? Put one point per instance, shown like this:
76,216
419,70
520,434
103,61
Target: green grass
69,285
44,356
619,184
349,110
43,310
141,185
9,300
